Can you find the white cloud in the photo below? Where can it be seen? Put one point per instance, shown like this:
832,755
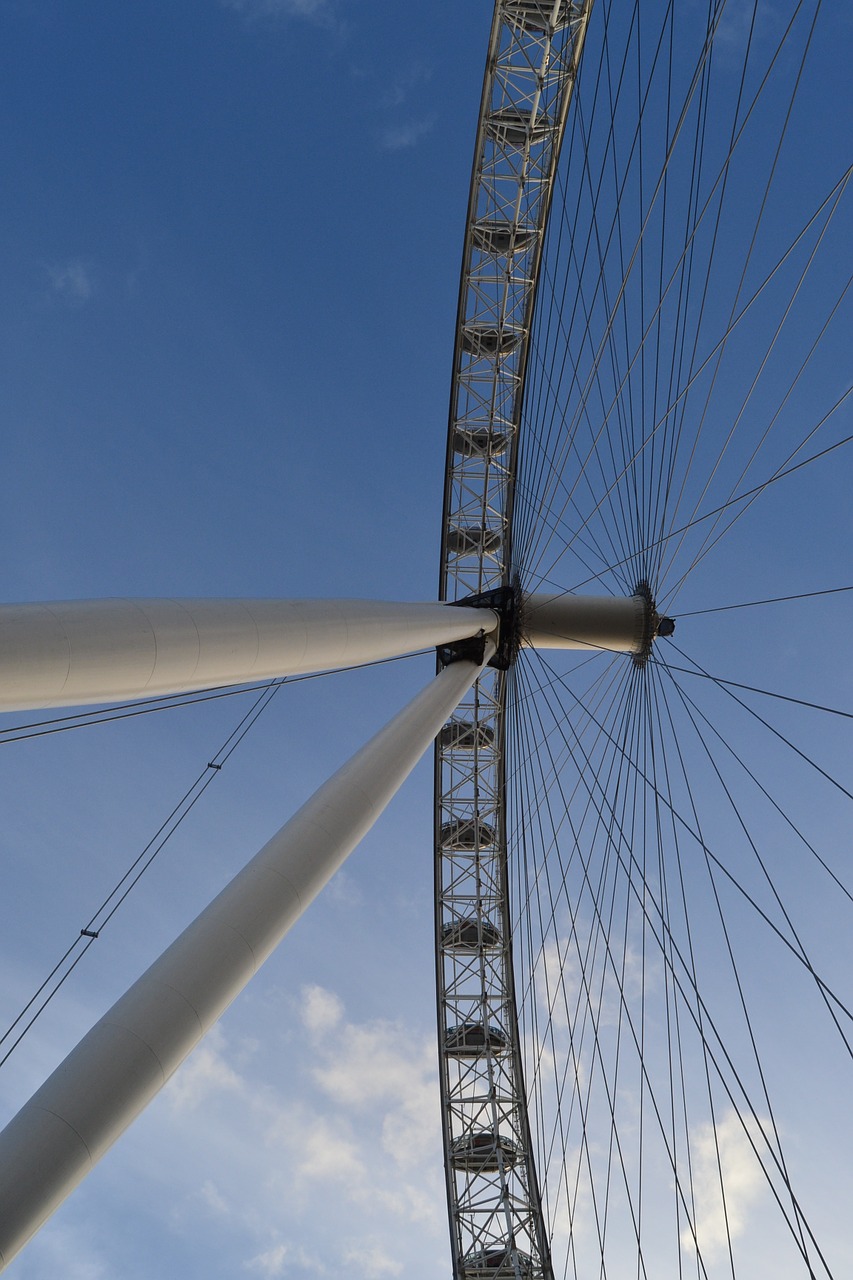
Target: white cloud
321,1010
375,1061
344,888
71,281
350,1135
329,1154
561,995
412,1203
205,1072
379,1066
372,1262
271,1262
376,1069
558,985
742,1182
401,136
282,1258
214,1199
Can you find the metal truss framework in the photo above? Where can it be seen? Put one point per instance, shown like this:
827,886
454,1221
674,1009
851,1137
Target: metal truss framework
497,1228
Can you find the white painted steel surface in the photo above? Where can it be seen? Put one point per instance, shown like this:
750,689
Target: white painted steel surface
585,622
129,1055
70,653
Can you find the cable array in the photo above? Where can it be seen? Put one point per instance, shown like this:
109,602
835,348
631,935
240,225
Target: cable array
675,832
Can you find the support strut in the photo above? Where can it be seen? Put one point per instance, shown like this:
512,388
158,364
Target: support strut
73,652
128,1056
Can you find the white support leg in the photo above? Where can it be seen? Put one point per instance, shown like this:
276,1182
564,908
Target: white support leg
130,1054
70,653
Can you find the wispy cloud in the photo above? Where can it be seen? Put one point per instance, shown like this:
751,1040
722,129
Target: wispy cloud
72,282
404,82
213,1198
66,1250
281,1258
558,970
321,1010
373,1065
205,1073
352,1136
399,137
401,93
728,1181
271,1262
316,10
373,1262
328,1154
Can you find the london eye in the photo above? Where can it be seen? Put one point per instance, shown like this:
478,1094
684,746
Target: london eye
641,812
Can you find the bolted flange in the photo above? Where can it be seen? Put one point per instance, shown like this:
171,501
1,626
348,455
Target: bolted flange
654,623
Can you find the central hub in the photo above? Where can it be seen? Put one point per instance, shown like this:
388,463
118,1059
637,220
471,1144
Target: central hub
612,624
504,601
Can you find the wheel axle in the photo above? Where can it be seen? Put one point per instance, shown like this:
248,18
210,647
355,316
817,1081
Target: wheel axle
616,624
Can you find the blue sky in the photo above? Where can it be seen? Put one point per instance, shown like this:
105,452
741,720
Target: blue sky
229,244
230,256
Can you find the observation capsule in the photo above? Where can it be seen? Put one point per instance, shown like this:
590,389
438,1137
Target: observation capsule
470,935
479,442
482,341
483,1152
467,835
473,1039
538,15
473,540
502,238
498,1264
514,127
465,735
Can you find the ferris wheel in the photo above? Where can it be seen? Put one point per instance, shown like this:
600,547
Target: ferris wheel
649,349
590,1078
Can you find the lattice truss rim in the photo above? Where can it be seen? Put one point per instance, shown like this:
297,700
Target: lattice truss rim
497,1228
